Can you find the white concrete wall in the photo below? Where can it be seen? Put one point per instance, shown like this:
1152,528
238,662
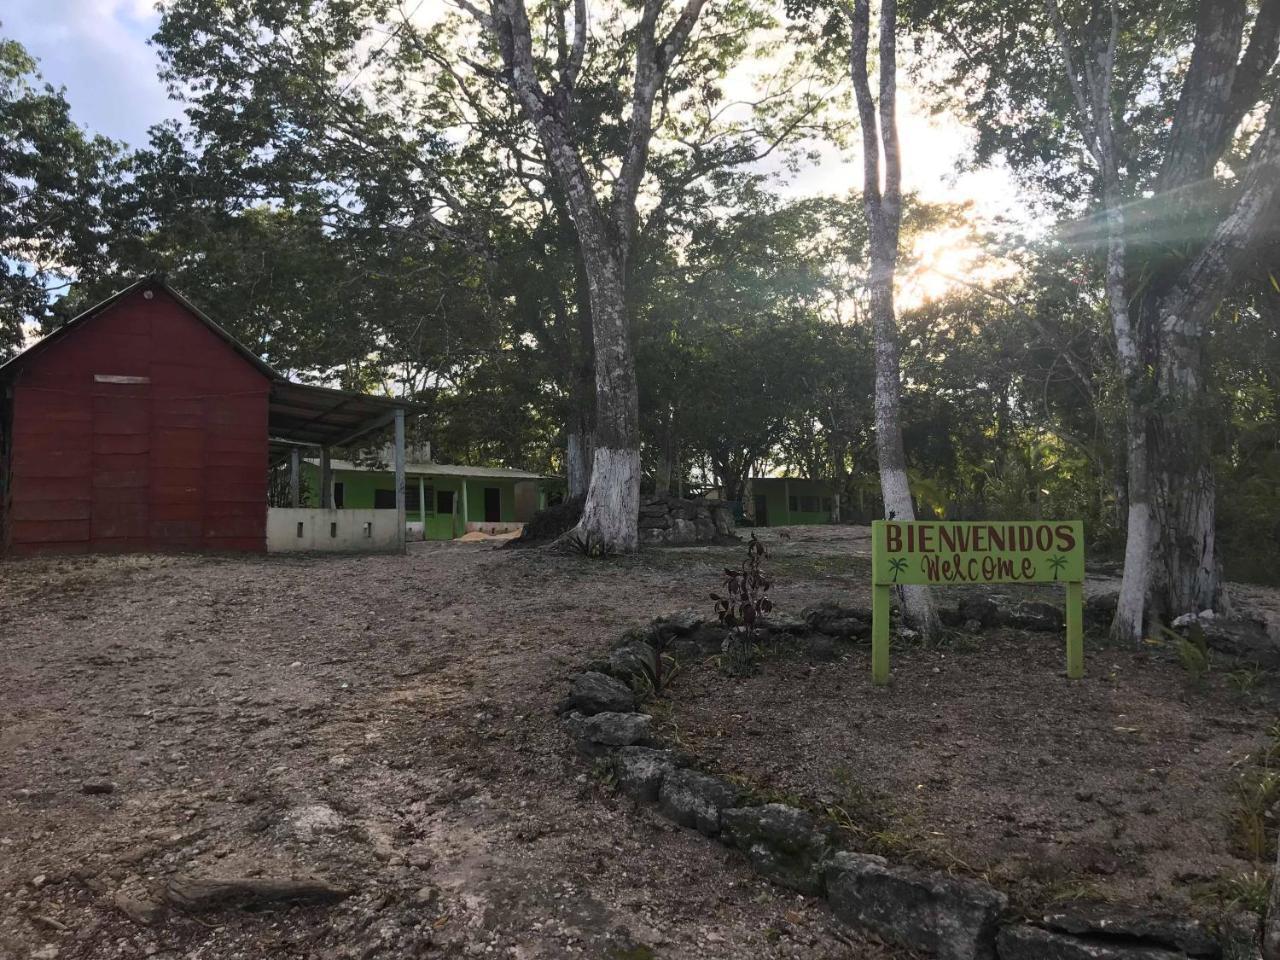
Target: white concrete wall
337,530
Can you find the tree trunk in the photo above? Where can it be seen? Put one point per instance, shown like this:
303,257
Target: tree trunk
579,444
578,460
837,480
895,488
884,218
1187,578
1129,622
611,514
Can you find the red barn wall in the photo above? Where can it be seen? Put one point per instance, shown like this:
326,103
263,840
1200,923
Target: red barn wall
175,460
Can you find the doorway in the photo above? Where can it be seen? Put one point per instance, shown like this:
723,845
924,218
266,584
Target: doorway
762,510
492,505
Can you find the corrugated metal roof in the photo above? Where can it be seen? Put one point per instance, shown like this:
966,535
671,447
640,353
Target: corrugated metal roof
442,470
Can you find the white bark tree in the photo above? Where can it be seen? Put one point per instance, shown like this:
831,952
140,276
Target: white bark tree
1170,565
605,229
883,205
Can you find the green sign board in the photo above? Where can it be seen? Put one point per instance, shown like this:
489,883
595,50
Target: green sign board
930,552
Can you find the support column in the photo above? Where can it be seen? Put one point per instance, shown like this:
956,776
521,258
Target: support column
295,470
399,457
465,512
326,480
422,505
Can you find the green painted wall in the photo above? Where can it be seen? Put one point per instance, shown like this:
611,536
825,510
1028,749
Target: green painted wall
784,511
358,488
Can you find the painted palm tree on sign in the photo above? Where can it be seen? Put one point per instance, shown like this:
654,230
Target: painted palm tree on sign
1057,562
897,565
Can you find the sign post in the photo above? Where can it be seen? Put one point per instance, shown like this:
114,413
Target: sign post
934,552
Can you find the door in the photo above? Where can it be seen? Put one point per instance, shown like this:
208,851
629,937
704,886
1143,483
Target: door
492,505
762,510
121,460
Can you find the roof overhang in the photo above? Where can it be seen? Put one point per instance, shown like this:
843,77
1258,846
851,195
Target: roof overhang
324,417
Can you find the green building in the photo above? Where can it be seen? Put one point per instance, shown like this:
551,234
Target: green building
782,501
442,501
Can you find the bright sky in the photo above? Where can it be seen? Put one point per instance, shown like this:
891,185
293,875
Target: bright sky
98,51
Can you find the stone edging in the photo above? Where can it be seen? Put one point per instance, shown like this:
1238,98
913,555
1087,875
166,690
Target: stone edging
953,918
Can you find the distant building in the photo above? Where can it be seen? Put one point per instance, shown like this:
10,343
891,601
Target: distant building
442,501
783,501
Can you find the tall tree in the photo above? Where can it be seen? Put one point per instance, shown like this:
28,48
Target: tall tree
52,179
605,229
1170,139
883,204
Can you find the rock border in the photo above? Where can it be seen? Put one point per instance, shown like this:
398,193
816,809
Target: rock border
937,913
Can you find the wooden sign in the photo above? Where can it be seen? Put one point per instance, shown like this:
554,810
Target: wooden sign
931,552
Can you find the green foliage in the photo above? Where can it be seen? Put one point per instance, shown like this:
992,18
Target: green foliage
53,181
1253,828
1244,891
1193,650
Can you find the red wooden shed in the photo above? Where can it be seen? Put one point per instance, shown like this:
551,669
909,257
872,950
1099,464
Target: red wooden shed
143,425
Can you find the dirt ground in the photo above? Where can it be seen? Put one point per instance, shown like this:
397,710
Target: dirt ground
983,757
381,722
385,723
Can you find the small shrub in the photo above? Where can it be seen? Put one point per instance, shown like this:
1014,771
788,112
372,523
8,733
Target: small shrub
1245,891
588,547
1245,680
743,606
1257,791
1193,651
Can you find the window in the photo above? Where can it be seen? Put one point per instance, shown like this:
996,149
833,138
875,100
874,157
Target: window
429,498
444,501
384,499
810,505
793,504
337,495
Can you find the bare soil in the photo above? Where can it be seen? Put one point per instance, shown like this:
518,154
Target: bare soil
385,724
981,756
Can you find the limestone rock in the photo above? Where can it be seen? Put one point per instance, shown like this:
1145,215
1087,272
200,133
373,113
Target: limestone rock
1240,936
1244,639
954,919
601,733
1024,942
1036,615
838,621
679,624
639,771
982,609
138,909
696,800
782,842
593,692
1100,609
634,662
196,894
788,623
709,637
684,650
1174,933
